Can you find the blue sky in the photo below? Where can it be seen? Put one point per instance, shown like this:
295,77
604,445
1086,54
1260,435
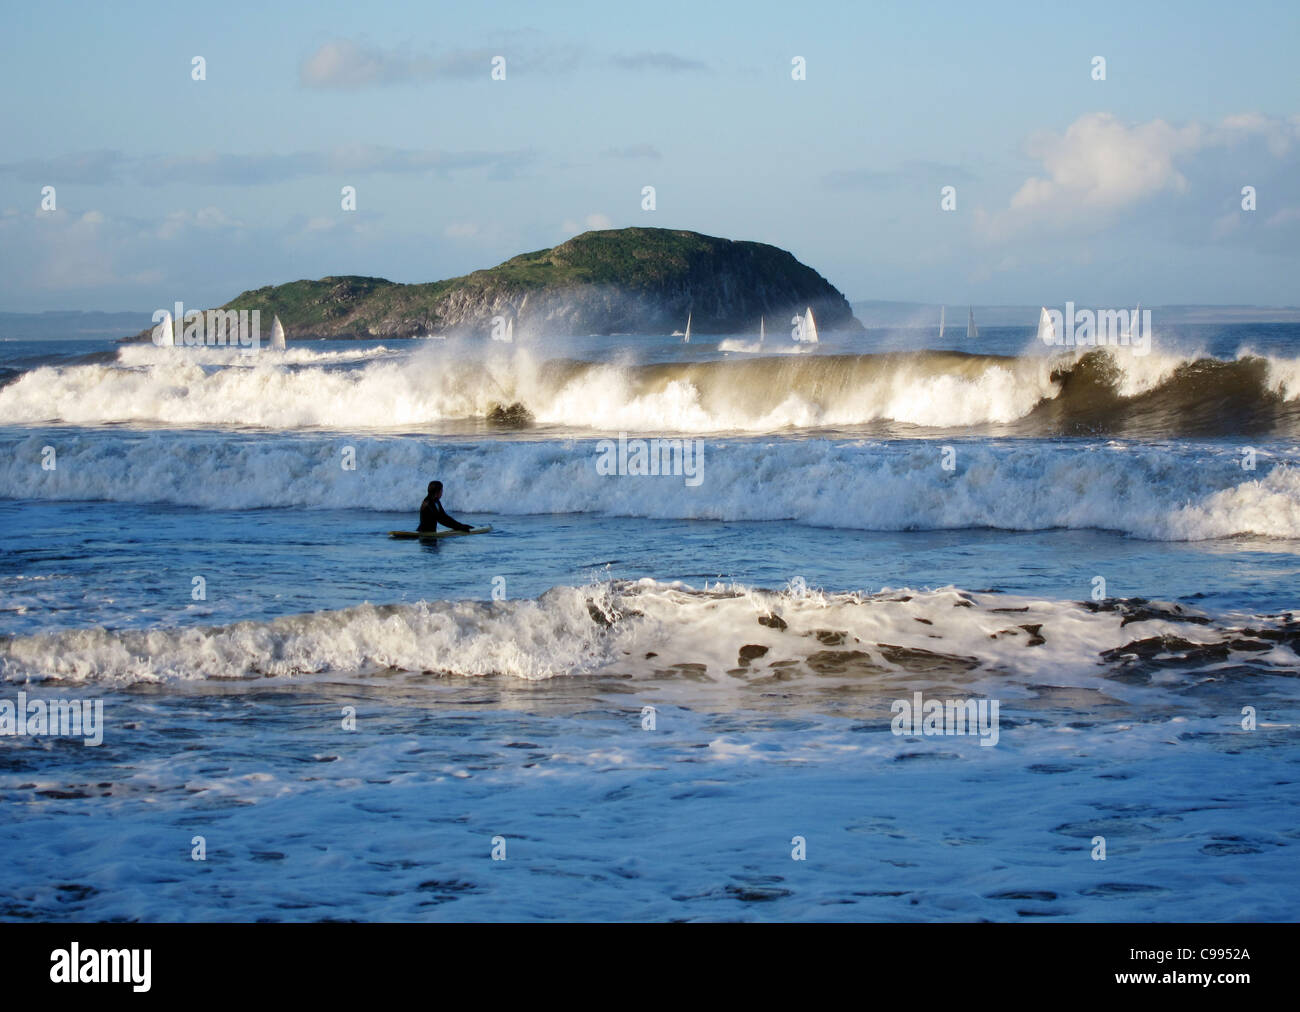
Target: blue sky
1103,192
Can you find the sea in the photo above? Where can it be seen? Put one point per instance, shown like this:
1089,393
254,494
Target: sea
890,627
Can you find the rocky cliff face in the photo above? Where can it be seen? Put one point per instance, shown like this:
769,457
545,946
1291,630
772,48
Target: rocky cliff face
620,281
643,280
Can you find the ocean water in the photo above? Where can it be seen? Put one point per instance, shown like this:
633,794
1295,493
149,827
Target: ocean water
655,696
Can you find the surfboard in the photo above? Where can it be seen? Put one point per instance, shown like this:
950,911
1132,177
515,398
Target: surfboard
427,535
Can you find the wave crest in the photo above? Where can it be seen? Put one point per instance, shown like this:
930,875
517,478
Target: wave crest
1100,391
1191,493
892,641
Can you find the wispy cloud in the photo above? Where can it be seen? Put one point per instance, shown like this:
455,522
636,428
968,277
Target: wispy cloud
670,62
87,168
911,171
347,65
634,151
593,221
213,168
198,255
75,251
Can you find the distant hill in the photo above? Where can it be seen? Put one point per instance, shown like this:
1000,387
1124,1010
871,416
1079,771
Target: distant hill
66,324
616,281
880,313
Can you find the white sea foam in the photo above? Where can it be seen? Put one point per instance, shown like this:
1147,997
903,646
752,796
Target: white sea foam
151,356
733,344
380,388
306,389
890,640
1189,494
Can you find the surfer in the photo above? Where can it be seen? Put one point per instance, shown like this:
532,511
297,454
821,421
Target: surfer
432,514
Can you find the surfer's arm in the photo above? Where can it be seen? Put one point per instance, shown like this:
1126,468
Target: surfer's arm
452,522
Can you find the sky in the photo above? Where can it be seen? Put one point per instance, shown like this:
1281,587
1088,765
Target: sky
1106,192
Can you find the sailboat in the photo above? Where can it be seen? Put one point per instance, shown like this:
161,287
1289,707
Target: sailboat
762,330
1046,329
164,334
971,329
277,335
686,338
809,327
1133,327
942,309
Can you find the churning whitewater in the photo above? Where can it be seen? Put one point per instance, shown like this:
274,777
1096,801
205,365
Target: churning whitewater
1193,492
989,644
1082,391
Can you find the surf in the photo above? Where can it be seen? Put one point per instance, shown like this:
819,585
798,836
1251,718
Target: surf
888,642
1193,493
1098,391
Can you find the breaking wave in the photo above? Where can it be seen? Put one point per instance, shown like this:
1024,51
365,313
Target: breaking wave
1191,492
897,642
1106,391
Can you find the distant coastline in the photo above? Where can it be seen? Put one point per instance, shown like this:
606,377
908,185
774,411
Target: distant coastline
890,314
92,324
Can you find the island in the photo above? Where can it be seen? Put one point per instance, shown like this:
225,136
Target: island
609,281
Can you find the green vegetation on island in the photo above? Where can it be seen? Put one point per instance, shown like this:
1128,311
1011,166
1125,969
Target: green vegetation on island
616,281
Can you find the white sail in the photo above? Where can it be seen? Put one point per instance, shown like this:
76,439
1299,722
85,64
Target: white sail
971,329
809,327
762,329
686,338
1046,330
1131,332
164,335
277,335
942,310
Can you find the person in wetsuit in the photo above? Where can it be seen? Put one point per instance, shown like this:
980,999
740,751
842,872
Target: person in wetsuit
432,514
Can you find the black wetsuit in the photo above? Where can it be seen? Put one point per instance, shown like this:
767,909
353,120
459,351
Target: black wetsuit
432,514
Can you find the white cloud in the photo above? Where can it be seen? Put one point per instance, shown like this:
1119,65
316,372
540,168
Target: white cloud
461,230
1283,218
210,218
68,251
345,64
1101,167
1277,135
1100,163
594,220
669,62
214,217
249,169
634,151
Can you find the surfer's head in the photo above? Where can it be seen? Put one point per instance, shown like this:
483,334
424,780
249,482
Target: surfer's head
435,490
